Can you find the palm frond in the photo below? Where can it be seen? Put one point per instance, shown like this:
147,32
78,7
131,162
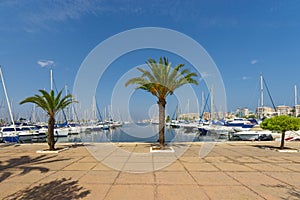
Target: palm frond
161,80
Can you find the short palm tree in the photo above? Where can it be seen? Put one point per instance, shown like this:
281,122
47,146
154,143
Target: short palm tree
51,104
162,80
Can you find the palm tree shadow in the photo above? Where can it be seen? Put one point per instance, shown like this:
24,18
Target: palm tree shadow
292,191
57,189
25,163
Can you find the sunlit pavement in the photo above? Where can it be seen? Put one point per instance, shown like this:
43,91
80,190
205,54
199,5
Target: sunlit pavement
232,170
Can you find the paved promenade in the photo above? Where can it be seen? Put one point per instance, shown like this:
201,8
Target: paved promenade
233,170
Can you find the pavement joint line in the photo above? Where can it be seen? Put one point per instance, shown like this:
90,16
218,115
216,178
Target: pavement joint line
244,185
155,186
277,179
111,185
194,179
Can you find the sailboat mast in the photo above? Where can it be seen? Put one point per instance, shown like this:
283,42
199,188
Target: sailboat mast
296,95
202,104
212,102
262,94
51,78
7,99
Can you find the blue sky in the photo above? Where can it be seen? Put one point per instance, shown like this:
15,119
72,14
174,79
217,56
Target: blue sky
244,38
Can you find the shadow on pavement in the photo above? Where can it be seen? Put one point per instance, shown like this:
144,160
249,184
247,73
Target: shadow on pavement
57,189
25,163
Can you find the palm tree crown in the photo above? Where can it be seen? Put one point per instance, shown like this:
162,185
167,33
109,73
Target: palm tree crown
161,80
48,102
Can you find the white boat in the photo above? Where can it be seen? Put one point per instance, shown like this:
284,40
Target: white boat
10,134
58,132
253,135
174,124
74,129
114,124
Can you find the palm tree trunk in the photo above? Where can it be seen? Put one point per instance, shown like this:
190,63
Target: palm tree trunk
50,136
282,140
161,108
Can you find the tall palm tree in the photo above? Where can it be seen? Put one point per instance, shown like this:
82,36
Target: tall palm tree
161,80
51,104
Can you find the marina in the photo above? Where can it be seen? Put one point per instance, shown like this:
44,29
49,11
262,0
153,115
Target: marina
142,132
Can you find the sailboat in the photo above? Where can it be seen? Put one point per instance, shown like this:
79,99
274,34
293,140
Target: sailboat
174,123
8,134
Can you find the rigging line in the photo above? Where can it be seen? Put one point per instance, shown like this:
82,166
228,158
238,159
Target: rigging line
99,113
73,108
175,114
206,104
270,95
64,114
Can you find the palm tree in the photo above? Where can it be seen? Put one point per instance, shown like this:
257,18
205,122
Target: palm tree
51,104
161,80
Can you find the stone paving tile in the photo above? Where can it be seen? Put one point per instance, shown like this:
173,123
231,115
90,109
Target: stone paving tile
114,165
274,159
293,167
266,167
132,192
279,192
213,178
218,159
164,158
100,166
80,166
253,178
116,159
189,192
29,177
54,166
75,175
142,149
99,177
245,159
174,178
200,167
88,159
96,191
295,159
189,159
233,167
136,178
7,189
292,178
138,167
230,193
175,166
143,158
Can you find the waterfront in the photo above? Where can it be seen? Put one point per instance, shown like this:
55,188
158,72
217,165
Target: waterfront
232,170
134,133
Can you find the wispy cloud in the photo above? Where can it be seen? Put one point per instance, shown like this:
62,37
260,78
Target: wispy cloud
35,15
244,78
253,62
204,75
45,63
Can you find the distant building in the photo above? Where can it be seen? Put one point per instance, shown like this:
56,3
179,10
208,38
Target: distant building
189,116
283,110
206,115
297,110
264,111
242,112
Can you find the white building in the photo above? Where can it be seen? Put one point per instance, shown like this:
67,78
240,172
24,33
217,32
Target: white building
283,110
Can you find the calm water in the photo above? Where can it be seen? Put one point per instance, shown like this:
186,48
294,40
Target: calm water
135,133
